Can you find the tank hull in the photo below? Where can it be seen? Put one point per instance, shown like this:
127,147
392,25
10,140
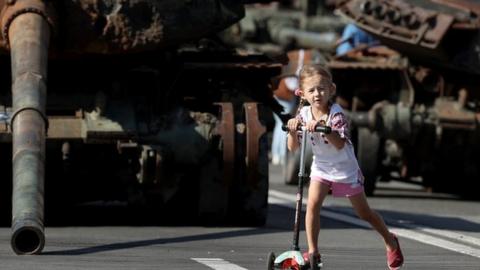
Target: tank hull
143,106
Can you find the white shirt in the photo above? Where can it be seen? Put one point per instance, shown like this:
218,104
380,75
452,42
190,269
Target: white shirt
330,163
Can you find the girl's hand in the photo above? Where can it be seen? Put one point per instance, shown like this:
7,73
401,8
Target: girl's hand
311,125
293,124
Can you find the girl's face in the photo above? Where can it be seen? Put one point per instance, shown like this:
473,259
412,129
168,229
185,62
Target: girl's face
318,90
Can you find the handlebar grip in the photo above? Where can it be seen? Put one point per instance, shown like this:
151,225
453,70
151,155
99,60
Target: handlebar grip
324,129
319,128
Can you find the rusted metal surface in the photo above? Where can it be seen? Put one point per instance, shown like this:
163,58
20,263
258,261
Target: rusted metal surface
450,114
398,20
254,131
335,64
122,26
237,59
65,128
226,130
427,31
465,12
29,39
245,66
369,58
58,128
96,26
11,9
100,129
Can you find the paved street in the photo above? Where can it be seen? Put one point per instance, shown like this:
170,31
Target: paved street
437,231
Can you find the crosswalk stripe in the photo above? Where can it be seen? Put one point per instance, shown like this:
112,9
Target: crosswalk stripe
218,264
411,232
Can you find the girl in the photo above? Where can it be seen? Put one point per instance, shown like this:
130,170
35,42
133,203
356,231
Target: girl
334,165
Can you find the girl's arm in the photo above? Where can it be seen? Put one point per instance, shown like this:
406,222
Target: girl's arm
292,141
339,135
336,140
292,137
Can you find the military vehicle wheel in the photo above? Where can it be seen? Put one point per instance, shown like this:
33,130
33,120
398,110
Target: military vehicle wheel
248,200
368,143
249,203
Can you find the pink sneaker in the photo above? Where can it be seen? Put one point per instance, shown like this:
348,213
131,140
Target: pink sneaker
395,257
315,258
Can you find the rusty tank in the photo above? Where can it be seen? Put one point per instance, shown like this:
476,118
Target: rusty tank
143,105
414,99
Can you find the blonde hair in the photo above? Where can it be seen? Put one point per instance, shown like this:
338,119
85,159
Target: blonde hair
309,71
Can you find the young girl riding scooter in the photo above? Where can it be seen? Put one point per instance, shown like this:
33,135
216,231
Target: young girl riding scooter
334,165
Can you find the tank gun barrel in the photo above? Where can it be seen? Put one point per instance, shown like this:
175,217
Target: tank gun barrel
257,1
28,34
286,36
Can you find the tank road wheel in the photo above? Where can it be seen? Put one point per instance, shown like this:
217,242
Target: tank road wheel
368,143
216,175
249,200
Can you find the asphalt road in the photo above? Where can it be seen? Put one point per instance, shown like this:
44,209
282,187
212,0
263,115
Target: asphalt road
437,231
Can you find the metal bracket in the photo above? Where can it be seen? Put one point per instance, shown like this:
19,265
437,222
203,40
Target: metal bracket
227,131
255,130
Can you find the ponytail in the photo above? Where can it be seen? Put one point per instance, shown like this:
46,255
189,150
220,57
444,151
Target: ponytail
301,104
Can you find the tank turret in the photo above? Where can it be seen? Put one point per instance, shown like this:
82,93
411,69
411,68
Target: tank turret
138,91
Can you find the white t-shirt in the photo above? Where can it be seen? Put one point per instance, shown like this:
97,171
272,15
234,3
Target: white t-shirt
330,163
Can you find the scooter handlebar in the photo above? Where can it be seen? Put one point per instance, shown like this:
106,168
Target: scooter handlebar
319,128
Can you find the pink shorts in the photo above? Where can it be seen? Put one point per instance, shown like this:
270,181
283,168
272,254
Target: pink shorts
342,189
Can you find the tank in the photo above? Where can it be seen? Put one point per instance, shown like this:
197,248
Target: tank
143,106
414,99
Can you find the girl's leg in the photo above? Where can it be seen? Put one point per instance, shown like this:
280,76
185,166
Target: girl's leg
363,210
316,195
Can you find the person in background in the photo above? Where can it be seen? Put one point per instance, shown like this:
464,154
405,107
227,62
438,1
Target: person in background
352,37
285,96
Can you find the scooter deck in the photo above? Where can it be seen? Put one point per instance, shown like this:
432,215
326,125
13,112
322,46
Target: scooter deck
293,258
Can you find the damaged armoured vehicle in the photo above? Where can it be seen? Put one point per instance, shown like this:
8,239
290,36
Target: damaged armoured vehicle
143,104
416,101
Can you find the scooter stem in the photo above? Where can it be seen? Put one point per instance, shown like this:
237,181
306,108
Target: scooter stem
301,178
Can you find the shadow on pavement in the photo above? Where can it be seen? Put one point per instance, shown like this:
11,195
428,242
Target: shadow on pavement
280,219
158,241
415,220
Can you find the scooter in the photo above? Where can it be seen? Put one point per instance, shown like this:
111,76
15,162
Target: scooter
293,259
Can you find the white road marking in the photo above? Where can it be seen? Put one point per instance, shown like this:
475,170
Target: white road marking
413,232
438,242
218,264
446,234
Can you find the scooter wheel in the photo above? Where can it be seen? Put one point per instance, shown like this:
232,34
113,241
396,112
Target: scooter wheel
271,261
